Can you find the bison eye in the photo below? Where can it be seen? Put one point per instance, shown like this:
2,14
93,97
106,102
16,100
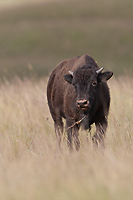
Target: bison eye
94,83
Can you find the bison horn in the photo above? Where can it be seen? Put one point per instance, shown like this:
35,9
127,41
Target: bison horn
70,72
99,70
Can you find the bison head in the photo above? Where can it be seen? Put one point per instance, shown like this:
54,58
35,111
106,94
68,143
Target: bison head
86,81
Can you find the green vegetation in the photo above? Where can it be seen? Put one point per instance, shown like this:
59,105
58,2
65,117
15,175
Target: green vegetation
43,34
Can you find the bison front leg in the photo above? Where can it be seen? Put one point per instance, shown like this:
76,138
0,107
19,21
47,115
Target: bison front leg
73,134
69,124
76,137
99,136
69,139
59,132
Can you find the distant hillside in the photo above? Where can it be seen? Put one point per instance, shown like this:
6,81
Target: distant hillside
13,3
35,37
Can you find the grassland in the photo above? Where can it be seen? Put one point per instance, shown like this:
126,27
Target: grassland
34,37
42,34
31,166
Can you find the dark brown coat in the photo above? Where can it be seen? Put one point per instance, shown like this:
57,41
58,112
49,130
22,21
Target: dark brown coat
77,91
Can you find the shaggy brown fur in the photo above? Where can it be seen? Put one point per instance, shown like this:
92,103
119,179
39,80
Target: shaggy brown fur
77,92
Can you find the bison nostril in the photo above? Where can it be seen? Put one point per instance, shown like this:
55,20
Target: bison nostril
85,102
82,103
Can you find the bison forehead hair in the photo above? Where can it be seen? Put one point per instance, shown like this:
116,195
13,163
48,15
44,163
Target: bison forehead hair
84,75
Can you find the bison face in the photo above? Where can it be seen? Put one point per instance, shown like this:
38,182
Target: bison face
86,83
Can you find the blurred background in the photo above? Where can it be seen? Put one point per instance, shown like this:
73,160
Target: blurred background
36,35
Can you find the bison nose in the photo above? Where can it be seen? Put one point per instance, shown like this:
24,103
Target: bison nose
82,103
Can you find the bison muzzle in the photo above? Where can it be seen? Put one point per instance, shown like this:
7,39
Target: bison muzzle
77,91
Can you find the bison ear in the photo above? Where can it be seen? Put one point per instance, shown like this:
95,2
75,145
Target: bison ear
68,78
105,76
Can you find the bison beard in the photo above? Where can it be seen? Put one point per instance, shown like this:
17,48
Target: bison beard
77,91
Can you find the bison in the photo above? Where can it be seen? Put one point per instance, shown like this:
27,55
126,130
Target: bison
77,91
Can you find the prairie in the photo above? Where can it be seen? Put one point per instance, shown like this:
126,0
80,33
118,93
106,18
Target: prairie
31,165
34,37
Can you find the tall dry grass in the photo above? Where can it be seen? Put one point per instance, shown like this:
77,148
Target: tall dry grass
31,167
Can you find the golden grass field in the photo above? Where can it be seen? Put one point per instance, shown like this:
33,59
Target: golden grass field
32,167
34,36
